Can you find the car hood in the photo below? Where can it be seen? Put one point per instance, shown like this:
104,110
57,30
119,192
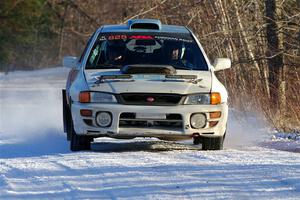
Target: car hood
145,83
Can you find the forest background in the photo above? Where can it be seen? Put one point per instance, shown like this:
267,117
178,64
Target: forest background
261,37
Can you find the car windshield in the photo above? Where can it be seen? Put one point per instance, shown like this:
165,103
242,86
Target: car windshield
113,50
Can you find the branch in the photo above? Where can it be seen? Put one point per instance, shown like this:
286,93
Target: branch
12,7
82,12
78,33
146,11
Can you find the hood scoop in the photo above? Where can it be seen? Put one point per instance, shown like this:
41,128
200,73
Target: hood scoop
148,69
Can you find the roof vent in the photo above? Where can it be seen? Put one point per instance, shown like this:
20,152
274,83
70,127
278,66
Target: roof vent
152,24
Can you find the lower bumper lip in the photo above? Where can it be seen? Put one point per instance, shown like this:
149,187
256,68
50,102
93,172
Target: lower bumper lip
184,110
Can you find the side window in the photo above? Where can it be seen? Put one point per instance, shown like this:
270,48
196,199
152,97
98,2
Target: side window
86,47
94,54
97,53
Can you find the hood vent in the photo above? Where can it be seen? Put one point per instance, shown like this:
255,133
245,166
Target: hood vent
151,24
148,69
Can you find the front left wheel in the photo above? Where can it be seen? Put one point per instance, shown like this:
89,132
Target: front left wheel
215,143
210,143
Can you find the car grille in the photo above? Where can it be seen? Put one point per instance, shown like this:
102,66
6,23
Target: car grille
150,99
171,122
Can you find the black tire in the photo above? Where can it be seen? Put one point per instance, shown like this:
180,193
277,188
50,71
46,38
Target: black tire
66,115
214,143
197,140
69,124
79,142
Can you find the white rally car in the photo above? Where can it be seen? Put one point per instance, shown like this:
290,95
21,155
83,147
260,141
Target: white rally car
144,79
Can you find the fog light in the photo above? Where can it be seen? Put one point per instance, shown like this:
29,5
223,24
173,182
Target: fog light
198,120
104,119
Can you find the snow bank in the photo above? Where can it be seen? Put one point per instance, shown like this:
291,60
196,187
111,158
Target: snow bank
286,136
284,142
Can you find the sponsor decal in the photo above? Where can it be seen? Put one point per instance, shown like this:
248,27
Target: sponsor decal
141,37
117,37
172,38
124,37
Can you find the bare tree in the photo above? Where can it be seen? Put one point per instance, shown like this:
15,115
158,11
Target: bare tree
275,56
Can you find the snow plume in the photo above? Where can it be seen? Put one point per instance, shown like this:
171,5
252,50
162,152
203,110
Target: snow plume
31,114
245,129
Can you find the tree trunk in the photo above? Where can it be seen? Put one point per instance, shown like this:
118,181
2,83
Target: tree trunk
61,32
275,58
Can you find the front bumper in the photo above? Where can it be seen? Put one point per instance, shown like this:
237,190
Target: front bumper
115,130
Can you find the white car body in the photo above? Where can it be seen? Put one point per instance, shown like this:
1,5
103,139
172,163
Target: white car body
203,82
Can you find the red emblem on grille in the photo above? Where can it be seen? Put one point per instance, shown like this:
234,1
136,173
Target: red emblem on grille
150,99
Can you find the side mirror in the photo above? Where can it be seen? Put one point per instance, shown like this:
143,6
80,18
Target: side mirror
222,63
70,61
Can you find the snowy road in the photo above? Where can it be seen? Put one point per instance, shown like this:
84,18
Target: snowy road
35,161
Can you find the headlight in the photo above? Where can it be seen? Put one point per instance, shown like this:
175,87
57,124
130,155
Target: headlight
96,97
197,99
213,98
99,97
